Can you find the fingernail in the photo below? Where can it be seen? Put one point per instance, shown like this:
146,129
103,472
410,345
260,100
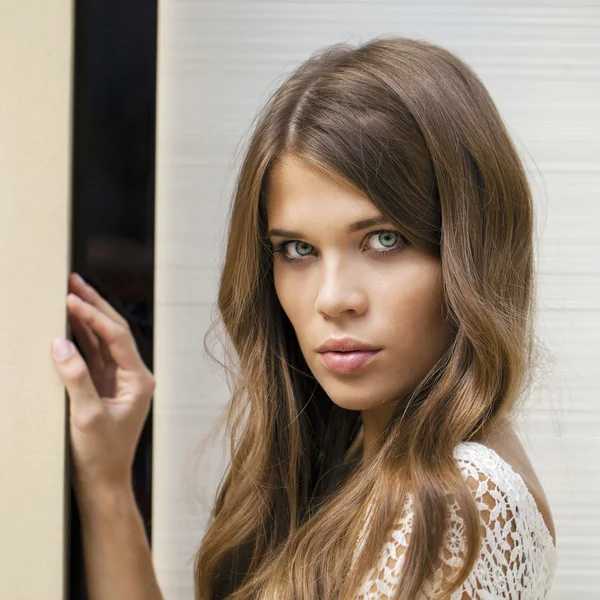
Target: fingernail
79,278
62,349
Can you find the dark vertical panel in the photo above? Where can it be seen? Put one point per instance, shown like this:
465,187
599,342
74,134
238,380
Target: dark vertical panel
113,189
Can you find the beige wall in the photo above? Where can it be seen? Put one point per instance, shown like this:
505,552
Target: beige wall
35,107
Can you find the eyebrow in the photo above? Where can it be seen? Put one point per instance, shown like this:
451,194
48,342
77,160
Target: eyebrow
352,228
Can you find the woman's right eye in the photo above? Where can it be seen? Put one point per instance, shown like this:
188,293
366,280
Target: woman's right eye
303,249
299,250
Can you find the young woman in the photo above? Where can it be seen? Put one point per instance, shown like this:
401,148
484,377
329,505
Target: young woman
378,291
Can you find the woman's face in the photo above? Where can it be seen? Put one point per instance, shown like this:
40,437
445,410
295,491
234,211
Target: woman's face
363,284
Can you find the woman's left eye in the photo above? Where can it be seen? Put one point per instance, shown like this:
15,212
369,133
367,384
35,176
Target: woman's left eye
387,238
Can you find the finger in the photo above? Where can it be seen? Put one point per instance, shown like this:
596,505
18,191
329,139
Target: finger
87,339
116,336
73,371
92,346
89,294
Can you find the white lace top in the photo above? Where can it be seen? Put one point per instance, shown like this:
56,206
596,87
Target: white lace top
518,557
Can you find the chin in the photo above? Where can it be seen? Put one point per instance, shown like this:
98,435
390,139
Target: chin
351,400
346,405
362,394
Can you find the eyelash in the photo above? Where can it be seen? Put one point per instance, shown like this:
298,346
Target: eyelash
279,248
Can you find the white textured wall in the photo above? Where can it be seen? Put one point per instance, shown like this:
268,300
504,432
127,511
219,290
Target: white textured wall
541,63
35,158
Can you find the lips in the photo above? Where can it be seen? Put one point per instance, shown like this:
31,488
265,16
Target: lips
346,354
346,344
347,362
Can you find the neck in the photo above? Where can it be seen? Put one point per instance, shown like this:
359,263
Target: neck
374,423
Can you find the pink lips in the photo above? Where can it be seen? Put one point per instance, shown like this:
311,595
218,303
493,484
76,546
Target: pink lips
347,362
346,354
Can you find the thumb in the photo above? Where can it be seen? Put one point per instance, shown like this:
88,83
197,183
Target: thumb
76,377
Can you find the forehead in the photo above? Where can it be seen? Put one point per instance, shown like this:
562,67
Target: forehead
296,190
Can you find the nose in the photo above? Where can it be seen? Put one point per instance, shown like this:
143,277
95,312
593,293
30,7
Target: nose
340,291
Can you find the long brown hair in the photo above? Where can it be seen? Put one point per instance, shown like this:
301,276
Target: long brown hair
413,128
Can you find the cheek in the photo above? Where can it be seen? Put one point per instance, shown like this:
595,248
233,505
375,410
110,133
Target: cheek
415,312
289,294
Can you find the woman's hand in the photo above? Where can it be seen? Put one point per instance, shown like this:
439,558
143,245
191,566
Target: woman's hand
109,392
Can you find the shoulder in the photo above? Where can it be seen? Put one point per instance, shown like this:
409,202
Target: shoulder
509,511
517,554
517,557
507,475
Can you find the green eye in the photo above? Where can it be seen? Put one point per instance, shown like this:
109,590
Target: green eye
388,239
384,238
305,245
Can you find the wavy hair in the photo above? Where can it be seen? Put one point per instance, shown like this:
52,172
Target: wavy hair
412,127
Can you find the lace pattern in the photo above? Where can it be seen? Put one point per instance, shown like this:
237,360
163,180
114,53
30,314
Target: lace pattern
518,557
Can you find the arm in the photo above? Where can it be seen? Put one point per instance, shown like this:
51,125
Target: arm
110,392
118,562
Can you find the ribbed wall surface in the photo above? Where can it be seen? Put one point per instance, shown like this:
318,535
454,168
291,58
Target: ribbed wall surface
217,63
